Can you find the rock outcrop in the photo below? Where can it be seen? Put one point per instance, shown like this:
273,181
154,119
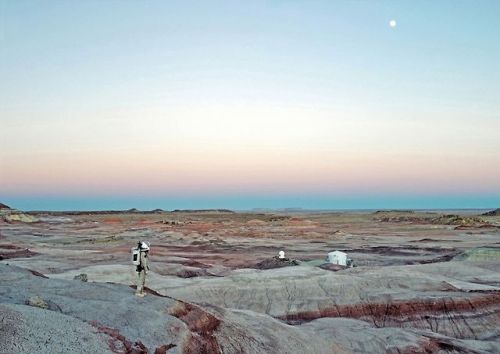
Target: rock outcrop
456,220
424,297
495,212
28,329
488,254
10,215
108,318
276,262
11,251
395,211
52,315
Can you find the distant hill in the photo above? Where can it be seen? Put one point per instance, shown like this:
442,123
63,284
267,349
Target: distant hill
10,215
495,212
95,212
394,211
202,211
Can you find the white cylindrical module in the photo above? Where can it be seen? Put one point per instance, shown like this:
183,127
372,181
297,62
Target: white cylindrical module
337,257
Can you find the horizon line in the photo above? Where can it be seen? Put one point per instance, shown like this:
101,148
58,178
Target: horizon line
284,209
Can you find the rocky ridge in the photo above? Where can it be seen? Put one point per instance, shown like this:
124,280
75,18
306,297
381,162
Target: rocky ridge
71,316
495,212
10,215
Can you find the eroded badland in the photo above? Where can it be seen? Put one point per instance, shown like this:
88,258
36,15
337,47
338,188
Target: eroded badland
423,283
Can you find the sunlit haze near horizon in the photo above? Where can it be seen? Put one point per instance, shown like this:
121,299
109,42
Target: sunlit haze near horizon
255,104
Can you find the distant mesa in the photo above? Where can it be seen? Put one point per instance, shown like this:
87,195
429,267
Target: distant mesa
294,210
154,211
457,220
395,211
203,211
403,218
99,212
431,218
495,212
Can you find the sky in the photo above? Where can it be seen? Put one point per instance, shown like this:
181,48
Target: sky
249,104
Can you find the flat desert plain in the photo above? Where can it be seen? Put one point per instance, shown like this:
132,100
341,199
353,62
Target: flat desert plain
423,282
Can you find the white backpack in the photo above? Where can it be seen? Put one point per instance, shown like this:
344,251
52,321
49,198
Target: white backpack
136,256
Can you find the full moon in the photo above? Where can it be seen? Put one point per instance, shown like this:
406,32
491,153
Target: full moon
392,23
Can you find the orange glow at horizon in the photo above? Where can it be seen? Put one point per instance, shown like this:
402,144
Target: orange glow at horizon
214,170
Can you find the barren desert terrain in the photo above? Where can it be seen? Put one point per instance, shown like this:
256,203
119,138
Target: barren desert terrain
423,282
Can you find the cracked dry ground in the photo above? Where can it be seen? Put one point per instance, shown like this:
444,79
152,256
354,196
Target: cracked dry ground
419,286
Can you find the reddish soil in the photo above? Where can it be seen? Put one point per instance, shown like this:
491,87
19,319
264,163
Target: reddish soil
15,252
381,313
275,262
118,343
164,348
202,326
431,346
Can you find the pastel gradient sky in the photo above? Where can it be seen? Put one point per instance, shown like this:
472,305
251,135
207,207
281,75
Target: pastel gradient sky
244,104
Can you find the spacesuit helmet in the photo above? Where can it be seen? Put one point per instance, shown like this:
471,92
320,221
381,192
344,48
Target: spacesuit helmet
144,246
